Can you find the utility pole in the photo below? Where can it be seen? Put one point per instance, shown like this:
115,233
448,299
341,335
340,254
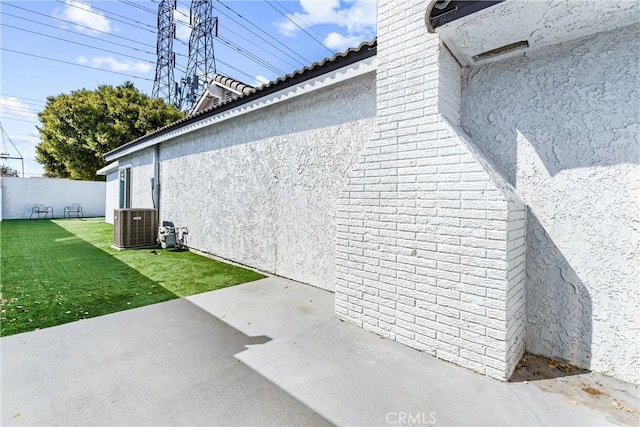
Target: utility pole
5,154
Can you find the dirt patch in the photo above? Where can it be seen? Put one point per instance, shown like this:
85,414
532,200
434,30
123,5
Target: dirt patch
618,401
592,391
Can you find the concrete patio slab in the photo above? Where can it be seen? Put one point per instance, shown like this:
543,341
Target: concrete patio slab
268,352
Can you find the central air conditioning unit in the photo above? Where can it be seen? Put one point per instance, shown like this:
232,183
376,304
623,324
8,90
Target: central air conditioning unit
134,228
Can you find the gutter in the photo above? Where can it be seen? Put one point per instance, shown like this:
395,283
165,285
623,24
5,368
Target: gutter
108,168
441,12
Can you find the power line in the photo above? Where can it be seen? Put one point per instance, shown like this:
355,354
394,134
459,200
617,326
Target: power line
236,69
183,5
17,117
250,41
137,6
22,109
251,56
18,114
110,16
183,14
297,17
79,34
76,24
304,60
70,41
302,28
18,120
22,99
164,82
73,63
201,64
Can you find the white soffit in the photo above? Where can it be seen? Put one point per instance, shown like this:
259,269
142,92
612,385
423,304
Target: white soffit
540,23
347,72
108,168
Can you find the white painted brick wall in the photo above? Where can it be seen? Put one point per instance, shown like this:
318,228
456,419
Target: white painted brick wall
516,280
430,244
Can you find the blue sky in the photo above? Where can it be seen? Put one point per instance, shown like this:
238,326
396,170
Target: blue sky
93,40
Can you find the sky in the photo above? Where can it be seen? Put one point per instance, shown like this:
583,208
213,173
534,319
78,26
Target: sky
53,47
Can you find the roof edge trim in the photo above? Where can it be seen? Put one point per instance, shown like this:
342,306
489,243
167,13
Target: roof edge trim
234,109
108,168
441,12
340,60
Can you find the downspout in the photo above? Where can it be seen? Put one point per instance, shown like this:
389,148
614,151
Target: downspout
155,181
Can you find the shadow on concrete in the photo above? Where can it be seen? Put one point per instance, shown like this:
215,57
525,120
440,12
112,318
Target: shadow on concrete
559,308
164,364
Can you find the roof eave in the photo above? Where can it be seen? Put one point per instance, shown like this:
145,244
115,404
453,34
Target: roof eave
340,60
453,10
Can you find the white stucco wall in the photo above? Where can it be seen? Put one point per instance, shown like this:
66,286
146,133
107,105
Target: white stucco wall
141,173
20,194
112,191
562,127
261,188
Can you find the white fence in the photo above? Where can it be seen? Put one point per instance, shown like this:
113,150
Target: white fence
18,195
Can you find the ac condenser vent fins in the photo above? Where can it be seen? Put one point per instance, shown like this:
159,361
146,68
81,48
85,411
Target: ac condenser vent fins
134,228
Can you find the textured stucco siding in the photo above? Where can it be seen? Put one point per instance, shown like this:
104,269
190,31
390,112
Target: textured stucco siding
141,173
112,197
422,235
561,126
261,189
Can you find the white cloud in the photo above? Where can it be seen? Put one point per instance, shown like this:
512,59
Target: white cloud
115,65
357,17
25,142
83,15
183,28
14,107
260,80
26,145
339,42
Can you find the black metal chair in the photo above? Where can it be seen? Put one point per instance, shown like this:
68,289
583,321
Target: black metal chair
74,208
41,209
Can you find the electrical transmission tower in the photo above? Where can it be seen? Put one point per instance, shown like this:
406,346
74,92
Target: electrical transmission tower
201,65
163,85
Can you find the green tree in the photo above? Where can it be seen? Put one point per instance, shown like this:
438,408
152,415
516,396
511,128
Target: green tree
78,128
8,171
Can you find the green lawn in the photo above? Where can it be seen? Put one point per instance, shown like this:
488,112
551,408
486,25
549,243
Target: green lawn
58,271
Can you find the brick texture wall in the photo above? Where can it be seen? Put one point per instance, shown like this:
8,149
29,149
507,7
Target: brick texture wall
430,244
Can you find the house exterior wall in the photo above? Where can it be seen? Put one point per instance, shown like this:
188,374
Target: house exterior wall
428,233
260,189
112,189
141,164
562,127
